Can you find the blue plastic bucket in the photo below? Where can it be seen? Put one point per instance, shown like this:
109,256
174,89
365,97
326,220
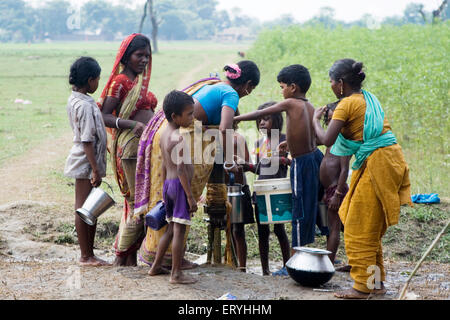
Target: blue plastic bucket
274,200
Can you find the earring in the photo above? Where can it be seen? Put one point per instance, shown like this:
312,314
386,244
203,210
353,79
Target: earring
342,90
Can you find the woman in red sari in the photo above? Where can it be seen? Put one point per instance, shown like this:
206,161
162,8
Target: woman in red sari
127,106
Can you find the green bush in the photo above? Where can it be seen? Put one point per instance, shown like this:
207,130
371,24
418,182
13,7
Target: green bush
406,68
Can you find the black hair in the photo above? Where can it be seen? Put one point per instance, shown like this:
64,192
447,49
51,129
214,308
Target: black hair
249,71
82,70
175,102
139,42
349,71
296,74
277,118
329,106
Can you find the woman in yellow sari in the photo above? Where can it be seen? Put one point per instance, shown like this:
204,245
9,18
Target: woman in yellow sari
127,106
380,178
216,103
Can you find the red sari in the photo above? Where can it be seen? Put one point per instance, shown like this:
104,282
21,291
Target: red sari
122,144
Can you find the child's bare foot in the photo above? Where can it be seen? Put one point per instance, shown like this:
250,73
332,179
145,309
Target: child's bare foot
351,294
186,265
154,271
93,262
182,279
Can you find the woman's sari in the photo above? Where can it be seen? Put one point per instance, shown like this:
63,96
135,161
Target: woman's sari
379,186
122,146
149,182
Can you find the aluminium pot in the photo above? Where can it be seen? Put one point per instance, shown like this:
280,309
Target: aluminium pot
310,267
97,202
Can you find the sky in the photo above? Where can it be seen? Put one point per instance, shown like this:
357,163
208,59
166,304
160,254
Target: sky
302,10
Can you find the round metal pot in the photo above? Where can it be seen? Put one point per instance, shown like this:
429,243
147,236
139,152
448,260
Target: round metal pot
310,267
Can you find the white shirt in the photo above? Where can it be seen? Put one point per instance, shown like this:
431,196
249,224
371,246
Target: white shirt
87,125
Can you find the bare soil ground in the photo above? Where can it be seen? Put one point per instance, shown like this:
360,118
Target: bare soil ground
34,218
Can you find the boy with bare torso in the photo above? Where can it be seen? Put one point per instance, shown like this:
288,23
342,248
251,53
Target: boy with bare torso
178,199
301,141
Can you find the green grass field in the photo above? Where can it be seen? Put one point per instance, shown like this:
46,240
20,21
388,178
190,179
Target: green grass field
39,73
406,68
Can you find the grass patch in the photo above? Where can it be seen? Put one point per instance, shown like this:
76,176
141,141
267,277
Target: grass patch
65,239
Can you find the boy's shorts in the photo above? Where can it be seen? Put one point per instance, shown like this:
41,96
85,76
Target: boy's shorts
175,202
305,195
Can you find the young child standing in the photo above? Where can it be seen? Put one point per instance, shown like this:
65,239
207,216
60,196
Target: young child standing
295,81
178,199
265,154
238,229
333,177
87,158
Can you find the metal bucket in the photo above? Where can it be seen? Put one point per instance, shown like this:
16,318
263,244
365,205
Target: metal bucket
235,198
95,205
323,214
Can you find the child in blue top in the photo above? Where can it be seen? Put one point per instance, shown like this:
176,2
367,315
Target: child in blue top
214,97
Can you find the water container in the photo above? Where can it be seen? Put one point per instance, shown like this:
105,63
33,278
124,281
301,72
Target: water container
274,200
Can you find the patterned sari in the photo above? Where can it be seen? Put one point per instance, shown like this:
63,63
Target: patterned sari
149,182
122,146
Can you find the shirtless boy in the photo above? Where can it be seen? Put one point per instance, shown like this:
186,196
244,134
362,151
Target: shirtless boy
333,177
301,141
177,194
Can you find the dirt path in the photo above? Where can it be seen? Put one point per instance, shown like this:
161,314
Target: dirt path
35,267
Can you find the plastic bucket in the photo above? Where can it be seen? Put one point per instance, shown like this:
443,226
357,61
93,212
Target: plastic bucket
274,200
95,205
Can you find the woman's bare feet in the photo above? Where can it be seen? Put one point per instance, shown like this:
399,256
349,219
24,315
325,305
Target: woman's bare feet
182,279
154,271
93,262
345,268
380,292
351,294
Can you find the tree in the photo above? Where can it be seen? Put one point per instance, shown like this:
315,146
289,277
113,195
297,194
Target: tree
439,11
222,20
173,28
154,20
325,18
15,22
415,13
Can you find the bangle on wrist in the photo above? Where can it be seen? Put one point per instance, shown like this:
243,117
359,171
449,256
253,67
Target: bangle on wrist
134,125
117,123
